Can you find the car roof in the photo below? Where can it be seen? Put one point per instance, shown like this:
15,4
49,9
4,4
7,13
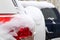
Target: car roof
6,6
39,4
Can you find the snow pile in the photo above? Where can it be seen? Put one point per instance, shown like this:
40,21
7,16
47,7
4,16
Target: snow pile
41,4
16,22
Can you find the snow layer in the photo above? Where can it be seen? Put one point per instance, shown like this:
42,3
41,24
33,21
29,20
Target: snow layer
18,21
41,4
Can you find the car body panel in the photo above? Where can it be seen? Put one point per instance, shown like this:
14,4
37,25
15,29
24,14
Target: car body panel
55,28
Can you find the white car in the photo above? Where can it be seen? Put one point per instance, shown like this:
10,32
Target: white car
51,15
19,23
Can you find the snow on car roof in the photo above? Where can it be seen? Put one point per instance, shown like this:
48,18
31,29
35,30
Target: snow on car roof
39,4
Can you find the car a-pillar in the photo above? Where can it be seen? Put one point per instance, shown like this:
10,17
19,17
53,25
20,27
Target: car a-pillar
38,17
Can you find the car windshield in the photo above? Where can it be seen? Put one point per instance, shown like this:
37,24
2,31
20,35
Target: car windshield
49,12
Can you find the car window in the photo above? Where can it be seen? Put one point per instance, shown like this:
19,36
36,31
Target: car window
49,12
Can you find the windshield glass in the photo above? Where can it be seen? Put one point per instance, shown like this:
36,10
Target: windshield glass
49,12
